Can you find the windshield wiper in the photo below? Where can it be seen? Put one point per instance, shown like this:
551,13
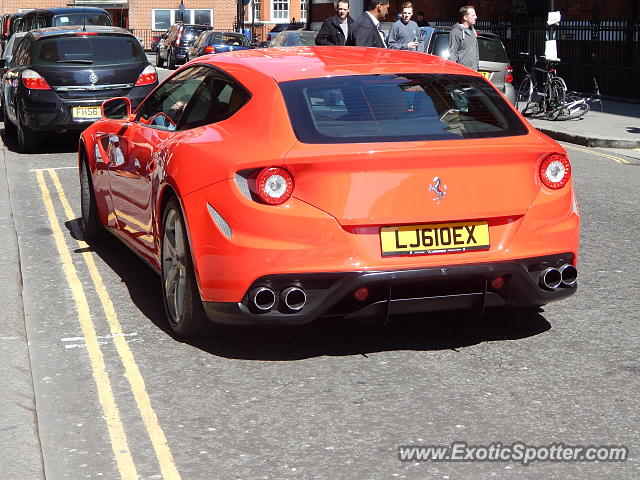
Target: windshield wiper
75,61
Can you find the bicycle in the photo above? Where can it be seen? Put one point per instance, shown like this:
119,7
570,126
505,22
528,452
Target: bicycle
577,104
549,100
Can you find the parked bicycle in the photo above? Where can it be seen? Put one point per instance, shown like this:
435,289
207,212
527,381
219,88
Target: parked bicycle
547,99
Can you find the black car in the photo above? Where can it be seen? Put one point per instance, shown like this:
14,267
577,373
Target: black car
217,42
8,26
58,78
173,44
64,17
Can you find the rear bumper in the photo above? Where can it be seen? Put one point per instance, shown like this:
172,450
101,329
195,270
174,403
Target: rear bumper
420,290
46,111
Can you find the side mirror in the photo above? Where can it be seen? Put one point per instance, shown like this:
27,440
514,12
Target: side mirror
118,108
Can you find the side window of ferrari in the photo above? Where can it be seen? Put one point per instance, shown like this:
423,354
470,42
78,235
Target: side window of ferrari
164,108
217,99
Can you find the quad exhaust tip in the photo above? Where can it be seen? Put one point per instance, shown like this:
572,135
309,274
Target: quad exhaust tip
262,298
293,298
552,278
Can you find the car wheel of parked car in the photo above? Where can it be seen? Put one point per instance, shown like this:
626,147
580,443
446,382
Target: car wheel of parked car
171,60
9,128
27,139
179,288
91,225
159,60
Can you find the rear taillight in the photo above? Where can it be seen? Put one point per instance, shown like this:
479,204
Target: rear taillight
84,33
509,76
273,185
148,76
209,49
34,81
179,37
555,171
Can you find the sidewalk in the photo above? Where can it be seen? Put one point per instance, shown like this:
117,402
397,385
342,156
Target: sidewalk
617,127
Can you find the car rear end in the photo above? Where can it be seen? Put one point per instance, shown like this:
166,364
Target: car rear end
72,73
225,42
402,193
184,37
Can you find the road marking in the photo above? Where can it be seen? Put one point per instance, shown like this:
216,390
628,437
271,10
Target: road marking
52,168
132,373
117,436
597,153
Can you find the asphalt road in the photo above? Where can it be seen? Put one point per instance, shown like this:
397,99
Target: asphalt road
118,397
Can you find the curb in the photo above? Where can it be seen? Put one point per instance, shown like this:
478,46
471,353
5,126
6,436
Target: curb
589,141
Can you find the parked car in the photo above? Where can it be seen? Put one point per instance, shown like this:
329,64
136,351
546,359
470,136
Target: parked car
64,17
361,194
173,44
58,77
8,26
282,27
211,41
295,38
494,62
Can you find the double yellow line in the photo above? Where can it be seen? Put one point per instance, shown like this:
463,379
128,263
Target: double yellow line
597,153
117,435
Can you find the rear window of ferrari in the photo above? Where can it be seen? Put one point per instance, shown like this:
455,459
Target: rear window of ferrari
397,108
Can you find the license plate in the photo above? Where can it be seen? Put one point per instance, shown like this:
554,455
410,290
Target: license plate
435,238
86,112
485,74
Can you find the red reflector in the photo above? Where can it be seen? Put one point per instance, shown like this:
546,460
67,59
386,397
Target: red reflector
497,283
361,294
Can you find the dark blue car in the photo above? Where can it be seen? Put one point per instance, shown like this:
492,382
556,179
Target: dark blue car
217,42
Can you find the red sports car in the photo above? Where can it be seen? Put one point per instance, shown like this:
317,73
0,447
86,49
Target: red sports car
277,186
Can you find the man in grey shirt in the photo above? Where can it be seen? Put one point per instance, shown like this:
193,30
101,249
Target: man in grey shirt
463,39
404,33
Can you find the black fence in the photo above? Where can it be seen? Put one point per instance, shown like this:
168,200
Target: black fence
608,50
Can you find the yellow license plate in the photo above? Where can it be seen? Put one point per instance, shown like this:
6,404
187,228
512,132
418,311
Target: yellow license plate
485,74
86,112
436,238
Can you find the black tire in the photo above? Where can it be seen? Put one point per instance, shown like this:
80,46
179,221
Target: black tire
523,98
555,99
9,129
26,139
159,59
182,302
171,61
91,225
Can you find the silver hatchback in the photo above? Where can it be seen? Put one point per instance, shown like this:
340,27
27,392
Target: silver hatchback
494,62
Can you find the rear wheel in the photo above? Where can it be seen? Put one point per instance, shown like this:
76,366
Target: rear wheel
525,92
9,127
91,225
159,60
179,288
26,139
555,99
575,107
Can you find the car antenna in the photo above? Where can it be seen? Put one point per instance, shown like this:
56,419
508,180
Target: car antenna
84,17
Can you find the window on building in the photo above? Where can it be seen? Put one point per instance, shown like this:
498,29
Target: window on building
303,10
163,18
280,9
256,9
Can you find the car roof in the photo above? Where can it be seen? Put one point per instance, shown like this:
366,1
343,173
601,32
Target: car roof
298,63
73,29
447,28
58,10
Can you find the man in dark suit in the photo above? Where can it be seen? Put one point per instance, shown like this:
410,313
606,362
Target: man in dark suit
365,30
334,30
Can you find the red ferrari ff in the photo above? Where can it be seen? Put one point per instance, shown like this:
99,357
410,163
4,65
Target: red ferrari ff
278,186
